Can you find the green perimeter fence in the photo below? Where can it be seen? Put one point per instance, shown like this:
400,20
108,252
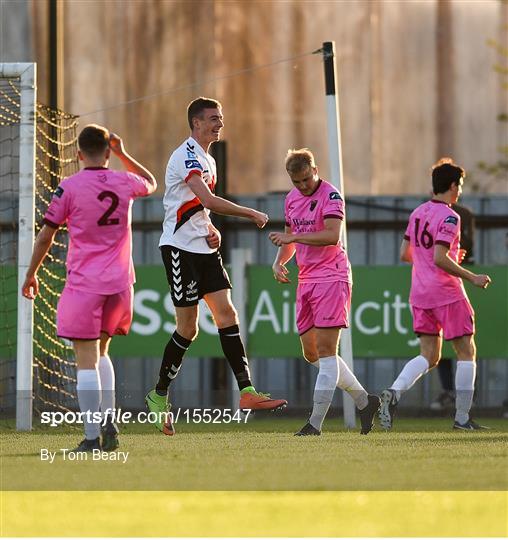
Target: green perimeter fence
380,317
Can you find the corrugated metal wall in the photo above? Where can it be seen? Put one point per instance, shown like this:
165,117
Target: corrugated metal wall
416,80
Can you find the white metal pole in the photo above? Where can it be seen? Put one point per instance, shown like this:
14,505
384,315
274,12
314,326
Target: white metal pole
240,259
337,179
26,226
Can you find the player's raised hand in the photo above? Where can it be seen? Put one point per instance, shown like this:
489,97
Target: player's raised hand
116,144
259,218
481,280
280,273
30,288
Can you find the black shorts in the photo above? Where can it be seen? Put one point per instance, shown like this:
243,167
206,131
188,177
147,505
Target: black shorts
192,275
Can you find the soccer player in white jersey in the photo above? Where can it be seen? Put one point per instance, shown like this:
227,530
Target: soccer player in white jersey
97,299
189,247
439,303
314,211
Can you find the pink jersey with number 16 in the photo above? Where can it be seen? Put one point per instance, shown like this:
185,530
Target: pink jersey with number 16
433,222
96,204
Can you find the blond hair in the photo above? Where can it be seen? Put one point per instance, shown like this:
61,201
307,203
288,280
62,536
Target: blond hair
299,160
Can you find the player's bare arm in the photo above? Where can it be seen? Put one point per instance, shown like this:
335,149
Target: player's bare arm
131,165
284,255
42,245
223,206
443,260
405,251
329,236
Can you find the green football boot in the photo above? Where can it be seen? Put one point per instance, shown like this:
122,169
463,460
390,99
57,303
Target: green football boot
161,407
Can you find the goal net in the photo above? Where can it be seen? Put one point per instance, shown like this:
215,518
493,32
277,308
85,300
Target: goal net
38,148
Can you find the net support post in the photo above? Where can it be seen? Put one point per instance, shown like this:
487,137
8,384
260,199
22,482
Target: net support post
26,222
337,179
240,260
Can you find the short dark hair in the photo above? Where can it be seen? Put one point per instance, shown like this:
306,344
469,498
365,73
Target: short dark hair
197,106
445,173
93,140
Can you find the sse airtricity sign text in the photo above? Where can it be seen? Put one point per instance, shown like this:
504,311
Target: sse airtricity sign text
381,318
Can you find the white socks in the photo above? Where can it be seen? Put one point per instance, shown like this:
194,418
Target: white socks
411,372
349,383
464,389
89,399
107,377
325,387
96,392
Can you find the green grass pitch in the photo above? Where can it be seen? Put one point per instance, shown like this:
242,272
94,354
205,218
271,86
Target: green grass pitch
258,479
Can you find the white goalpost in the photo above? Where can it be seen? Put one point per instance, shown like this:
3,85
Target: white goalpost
38,149
26,74
337,179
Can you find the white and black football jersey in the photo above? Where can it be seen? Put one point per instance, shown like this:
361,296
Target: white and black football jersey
186,220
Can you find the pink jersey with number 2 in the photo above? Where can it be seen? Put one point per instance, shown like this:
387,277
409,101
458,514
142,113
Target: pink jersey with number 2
96,204
433,222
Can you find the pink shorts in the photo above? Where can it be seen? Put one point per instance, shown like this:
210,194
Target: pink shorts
83,315
455,320
322,305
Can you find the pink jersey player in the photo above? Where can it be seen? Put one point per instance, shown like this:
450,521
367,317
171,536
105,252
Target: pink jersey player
433,223
314,211
96,204
307,214
438,300
97,299
324,273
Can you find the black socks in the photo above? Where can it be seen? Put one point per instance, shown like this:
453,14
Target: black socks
234,351
172,360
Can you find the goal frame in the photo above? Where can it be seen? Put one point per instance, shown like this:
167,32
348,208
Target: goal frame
27,75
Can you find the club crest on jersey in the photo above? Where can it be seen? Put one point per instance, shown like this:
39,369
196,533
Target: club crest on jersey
335,195
58,192
451,219
193,164
313,204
